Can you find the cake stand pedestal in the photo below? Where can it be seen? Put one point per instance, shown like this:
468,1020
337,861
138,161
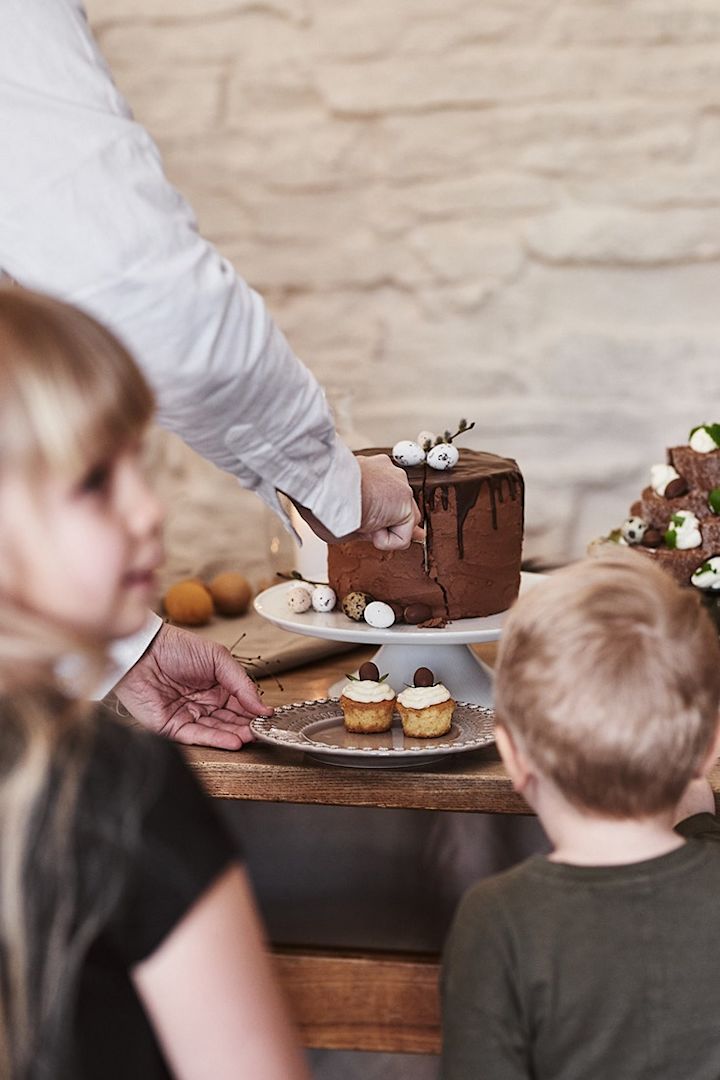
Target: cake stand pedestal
403,649
457,666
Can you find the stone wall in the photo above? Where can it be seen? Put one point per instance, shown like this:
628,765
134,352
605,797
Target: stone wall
508,211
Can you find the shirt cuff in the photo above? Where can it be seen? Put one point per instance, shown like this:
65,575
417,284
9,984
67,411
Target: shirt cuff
335,502
126,652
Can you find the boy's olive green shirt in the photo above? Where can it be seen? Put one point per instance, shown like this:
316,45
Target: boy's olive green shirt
559,972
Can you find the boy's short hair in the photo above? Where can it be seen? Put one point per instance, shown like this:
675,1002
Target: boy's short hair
608,675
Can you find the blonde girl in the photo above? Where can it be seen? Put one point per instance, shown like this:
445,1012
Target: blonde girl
129,942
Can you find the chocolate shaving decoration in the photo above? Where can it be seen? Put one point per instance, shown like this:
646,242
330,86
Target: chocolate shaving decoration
652,538
676,488
369,671
424,677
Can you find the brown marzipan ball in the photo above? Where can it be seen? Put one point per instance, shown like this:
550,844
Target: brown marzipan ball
189,602
231,593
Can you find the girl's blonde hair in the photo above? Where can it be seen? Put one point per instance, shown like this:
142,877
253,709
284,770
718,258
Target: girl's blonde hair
609,676
70,396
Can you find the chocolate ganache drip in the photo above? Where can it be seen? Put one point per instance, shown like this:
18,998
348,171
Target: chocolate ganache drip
468,482
470,562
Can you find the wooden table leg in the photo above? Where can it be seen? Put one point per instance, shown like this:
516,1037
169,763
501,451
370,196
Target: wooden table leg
366,1000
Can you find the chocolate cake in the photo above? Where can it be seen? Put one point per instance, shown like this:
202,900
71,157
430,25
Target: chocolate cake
675,521
470,563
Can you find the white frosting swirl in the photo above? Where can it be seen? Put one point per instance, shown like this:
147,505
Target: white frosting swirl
660,477
421,697
367,690
702,441
707,576
687,530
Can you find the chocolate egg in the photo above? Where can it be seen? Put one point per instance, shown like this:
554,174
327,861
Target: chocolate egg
354,605
417,613
369,671
299,599
443,456
676,488
379,615
408,453
423,677
323,598
633,529
652,538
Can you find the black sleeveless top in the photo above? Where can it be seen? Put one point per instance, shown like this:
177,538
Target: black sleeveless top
180,847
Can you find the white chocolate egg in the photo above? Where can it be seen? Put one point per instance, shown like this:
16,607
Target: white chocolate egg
707,575
379,615
633,529
323,598
701,441
660,477
684,528
425,437
299,599
406,452
443,456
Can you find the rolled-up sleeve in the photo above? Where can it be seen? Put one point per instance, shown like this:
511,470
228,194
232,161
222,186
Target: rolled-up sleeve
87,214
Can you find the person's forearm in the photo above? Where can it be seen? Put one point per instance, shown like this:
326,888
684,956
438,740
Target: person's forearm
229,1019
88,214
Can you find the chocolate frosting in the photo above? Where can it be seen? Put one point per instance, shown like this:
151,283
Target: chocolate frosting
473,516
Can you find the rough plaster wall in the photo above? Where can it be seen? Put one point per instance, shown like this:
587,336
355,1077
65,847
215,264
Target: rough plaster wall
508,211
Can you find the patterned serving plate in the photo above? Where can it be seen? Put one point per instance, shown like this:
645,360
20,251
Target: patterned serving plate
316,728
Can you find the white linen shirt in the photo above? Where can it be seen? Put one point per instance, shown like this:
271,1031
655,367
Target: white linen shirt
87,215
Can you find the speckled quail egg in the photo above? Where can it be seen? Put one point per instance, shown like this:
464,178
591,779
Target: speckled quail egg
354,605
424,437
379,615
299,599
323,598
633,529
408,453
443,456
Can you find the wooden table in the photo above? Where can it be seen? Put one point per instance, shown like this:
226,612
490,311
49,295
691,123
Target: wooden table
474,781
360,1000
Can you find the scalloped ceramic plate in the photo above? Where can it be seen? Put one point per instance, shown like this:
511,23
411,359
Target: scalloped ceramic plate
317,728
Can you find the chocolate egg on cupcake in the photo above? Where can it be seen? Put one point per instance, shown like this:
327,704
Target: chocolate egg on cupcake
367,701
426,708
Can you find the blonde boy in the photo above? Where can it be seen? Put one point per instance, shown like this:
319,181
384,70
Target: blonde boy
602,960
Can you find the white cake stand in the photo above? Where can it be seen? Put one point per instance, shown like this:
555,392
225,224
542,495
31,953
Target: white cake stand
403,649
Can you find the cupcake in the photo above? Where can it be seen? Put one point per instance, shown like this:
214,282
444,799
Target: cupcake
426,708
367,701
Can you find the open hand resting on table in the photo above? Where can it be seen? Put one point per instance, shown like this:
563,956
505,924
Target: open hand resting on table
193,691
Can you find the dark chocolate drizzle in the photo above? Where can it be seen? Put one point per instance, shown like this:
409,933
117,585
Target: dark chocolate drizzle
468,493
474,469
